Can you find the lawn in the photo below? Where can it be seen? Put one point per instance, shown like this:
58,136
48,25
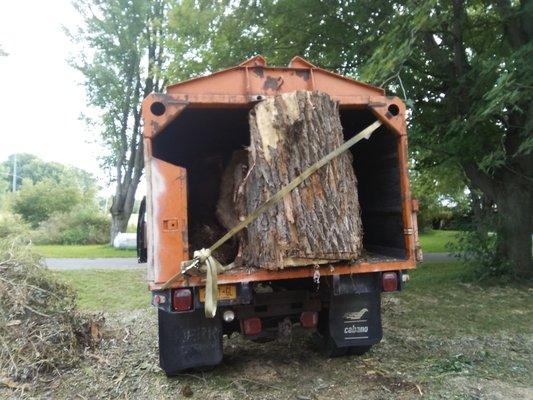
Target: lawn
83,251
109,290
443,338
434,241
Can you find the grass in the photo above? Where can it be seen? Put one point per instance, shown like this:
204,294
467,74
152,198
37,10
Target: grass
458,328
443,337
434,241
109,290
83,251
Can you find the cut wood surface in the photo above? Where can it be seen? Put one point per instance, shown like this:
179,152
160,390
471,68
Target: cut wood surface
319,221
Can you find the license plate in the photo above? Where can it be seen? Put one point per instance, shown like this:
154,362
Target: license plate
225,292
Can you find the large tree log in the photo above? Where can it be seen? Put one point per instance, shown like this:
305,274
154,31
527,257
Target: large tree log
319,222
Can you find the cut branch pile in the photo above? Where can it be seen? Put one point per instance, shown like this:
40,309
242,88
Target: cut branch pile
40,328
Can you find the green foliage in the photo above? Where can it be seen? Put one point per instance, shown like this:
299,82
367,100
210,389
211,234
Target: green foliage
12,225
81,225
478,247
37,202
463,68
442,197
125,63
31,168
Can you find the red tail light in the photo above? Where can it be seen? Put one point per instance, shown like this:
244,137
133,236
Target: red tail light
182,300
309,319
252,326
390,281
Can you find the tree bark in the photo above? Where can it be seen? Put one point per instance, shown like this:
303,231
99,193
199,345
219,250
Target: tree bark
515,203
514,200
319,222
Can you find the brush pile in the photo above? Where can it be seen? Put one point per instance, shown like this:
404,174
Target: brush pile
40,329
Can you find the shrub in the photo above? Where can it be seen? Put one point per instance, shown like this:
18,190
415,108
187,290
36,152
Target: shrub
13,225
477,245
37,202
82,225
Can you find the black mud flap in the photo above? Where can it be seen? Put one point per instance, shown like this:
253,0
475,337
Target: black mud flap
355,319
188,340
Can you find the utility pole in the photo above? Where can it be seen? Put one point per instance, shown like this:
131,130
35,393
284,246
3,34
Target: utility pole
14,185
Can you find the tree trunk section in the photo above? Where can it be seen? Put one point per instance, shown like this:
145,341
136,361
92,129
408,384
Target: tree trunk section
319,221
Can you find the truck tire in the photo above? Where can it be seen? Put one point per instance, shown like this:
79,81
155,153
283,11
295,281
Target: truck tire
188,341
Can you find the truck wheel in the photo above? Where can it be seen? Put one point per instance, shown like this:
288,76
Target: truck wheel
188,341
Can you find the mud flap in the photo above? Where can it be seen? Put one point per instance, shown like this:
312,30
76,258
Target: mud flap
188,340
355,319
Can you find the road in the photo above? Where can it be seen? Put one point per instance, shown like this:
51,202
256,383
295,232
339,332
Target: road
67,264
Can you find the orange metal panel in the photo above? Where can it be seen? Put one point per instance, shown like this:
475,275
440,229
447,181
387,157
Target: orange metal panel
168,240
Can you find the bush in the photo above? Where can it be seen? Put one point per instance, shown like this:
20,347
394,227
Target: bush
13,225
477,246
37,202
81,225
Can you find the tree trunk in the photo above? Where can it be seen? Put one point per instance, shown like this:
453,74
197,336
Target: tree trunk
514,200
516,227
118,224
319,222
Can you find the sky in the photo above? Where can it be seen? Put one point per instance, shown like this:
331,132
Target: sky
42,96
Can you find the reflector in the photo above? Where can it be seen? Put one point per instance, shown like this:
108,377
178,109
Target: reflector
309,319
252,326
390,281
182,300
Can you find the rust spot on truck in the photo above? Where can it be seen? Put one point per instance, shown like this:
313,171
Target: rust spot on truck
258,71
273,83
303,73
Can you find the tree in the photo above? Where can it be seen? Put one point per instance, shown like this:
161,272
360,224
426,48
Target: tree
35,170
469,74
463,66
125,63
37,202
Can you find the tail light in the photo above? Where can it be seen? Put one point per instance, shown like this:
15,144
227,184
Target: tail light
182,300
252,326
389,281
309,319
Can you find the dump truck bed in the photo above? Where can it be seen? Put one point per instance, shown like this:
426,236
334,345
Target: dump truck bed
206,117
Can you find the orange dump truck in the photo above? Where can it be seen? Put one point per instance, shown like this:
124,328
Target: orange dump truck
207,118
